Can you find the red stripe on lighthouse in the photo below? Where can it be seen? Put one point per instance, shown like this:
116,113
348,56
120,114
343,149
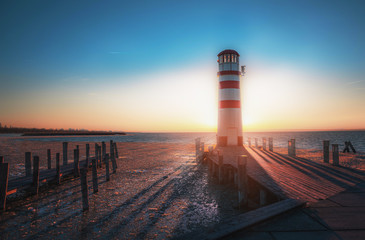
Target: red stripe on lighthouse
221,73
229,84
230,104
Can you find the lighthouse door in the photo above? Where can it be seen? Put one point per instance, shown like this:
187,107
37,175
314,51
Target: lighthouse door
232,137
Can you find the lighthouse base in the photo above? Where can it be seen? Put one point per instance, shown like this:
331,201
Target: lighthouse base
224,141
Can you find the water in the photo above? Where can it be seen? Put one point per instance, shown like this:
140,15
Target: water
305,140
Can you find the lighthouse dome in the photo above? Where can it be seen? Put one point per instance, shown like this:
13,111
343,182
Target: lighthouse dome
228,51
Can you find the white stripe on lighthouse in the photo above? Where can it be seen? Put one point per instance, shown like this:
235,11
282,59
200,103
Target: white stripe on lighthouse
229,78
229,94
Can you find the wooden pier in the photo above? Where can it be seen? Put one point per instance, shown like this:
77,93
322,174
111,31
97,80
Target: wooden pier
290,177
31,181
276,182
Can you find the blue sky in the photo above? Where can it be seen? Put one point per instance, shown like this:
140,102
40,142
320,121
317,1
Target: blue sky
47,44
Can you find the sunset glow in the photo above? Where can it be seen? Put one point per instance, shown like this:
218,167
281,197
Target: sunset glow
166,81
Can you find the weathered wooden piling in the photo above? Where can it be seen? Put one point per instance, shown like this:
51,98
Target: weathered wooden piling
28,164
335,155
263,143
202,147
64,153
49,159
112,157
242,181
291,148
76,163
197,148
256,143
107,174
84,189
4,178
100,155
58,169
116,151
249,142
220,169
103,150
35,175
294,154
95,175
97,154
263,197
87,156
271,144
326,151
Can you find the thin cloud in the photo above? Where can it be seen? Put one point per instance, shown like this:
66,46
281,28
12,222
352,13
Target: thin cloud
355,82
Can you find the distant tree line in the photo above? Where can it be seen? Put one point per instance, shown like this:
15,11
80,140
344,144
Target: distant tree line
51,131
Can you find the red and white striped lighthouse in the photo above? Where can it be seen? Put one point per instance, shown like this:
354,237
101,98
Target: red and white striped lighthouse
229,112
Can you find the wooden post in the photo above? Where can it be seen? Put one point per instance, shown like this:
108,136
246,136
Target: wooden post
103,150
107,174
49,158
76,163
100,154
87,156
242,180
201,151
28,164
35,175
197,148
249,142
335,155
97,153
58,169
95,175
112,158
256,143
291,148
263,143
326,151
116,151
271,144
84,189
263,197
4,177
220,169
65,157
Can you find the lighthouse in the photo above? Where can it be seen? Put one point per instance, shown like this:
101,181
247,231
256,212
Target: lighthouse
229,107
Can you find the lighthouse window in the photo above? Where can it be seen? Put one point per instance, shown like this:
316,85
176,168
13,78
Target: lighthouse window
235,58
221,59
225,58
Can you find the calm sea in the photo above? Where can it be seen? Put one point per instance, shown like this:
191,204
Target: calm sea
306,140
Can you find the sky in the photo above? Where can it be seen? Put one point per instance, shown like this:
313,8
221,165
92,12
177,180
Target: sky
151,66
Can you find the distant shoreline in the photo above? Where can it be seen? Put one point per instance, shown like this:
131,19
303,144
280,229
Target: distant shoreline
70,133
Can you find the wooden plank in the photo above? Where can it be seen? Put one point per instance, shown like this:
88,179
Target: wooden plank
248,219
